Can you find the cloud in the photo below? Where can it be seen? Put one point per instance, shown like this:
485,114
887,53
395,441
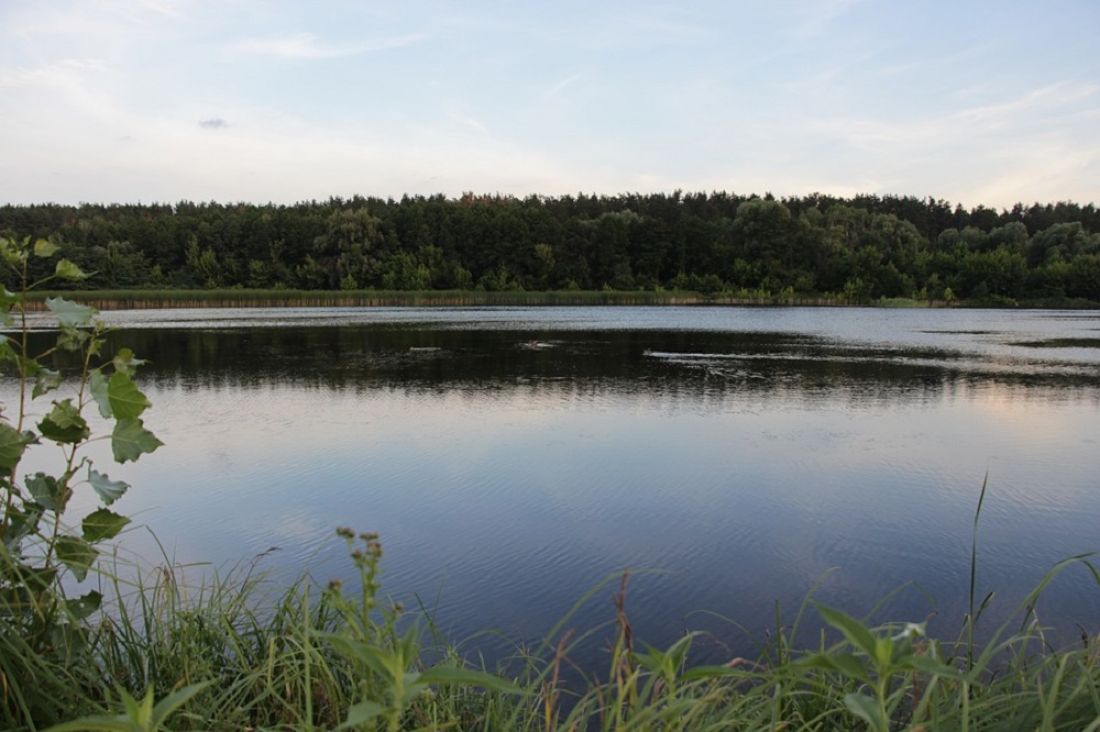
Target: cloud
213,123
816,17
560,86
469,121
308,46
55,73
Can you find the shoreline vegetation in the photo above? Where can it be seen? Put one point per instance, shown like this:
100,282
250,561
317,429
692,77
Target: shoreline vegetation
137,299
234,652
720,245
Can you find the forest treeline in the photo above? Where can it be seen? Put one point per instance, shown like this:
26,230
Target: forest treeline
856,248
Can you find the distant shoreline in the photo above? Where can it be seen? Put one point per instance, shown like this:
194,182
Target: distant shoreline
243,298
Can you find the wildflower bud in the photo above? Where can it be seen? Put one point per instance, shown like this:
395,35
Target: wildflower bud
335,585
345,533
369,536
374,548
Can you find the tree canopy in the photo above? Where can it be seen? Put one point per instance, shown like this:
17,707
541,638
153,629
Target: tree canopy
861,247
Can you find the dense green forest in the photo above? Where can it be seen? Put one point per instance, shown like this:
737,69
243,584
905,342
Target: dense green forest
859,248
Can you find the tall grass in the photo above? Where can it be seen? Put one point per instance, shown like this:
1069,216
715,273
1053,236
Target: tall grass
233,651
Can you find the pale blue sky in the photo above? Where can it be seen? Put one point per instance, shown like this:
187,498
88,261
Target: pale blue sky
162,100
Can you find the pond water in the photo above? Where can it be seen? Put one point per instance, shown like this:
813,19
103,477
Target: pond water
512,458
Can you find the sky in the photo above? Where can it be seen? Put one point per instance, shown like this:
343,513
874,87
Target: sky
247,100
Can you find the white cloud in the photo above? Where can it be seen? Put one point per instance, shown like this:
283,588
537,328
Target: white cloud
557,88
60,72
468,121
812,18
308,46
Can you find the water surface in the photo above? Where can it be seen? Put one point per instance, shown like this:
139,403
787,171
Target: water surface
512,458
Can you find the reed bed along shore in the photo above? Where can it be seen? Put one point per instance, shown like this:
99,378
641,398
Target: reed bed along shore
243,298
228,298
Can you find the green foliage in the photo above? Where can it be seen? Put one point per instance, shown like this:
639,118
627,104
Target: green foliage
130,440
39,548
860,249
139,716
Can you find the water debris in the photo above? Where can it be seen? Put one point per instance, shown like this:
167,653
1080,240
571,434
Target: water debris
1060,343
537,345
424,349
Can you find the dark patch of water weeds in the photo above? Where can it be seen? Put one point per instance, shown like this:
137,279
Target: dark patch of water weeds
154,652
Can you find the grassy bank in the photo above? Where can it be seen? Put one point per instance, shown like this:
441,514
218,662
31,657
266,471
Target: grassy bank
234,653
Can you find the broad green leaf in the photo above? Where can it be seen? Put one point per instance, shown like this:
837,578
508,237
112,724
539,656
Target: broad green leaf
137,715
130,440
97,723
21,524
69,313
169,704
361,713
108,490
64,424
30,366
45,381
468,677
68,270
140,713
375,659
102,524
125,362
48,492
866,709
932,667
97,386
856,633
12,253
83,606
884,651
72,339
45,248
125,398
12,444
844,663
96,344
36,579
411,689
77,554
6,301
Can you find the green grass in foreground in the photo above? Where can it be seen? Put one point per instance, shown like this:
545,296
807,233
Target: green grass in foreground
227,655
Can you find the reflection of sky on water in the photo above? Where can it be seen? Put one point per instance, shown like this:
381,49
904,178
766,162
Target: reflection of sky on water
507,478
